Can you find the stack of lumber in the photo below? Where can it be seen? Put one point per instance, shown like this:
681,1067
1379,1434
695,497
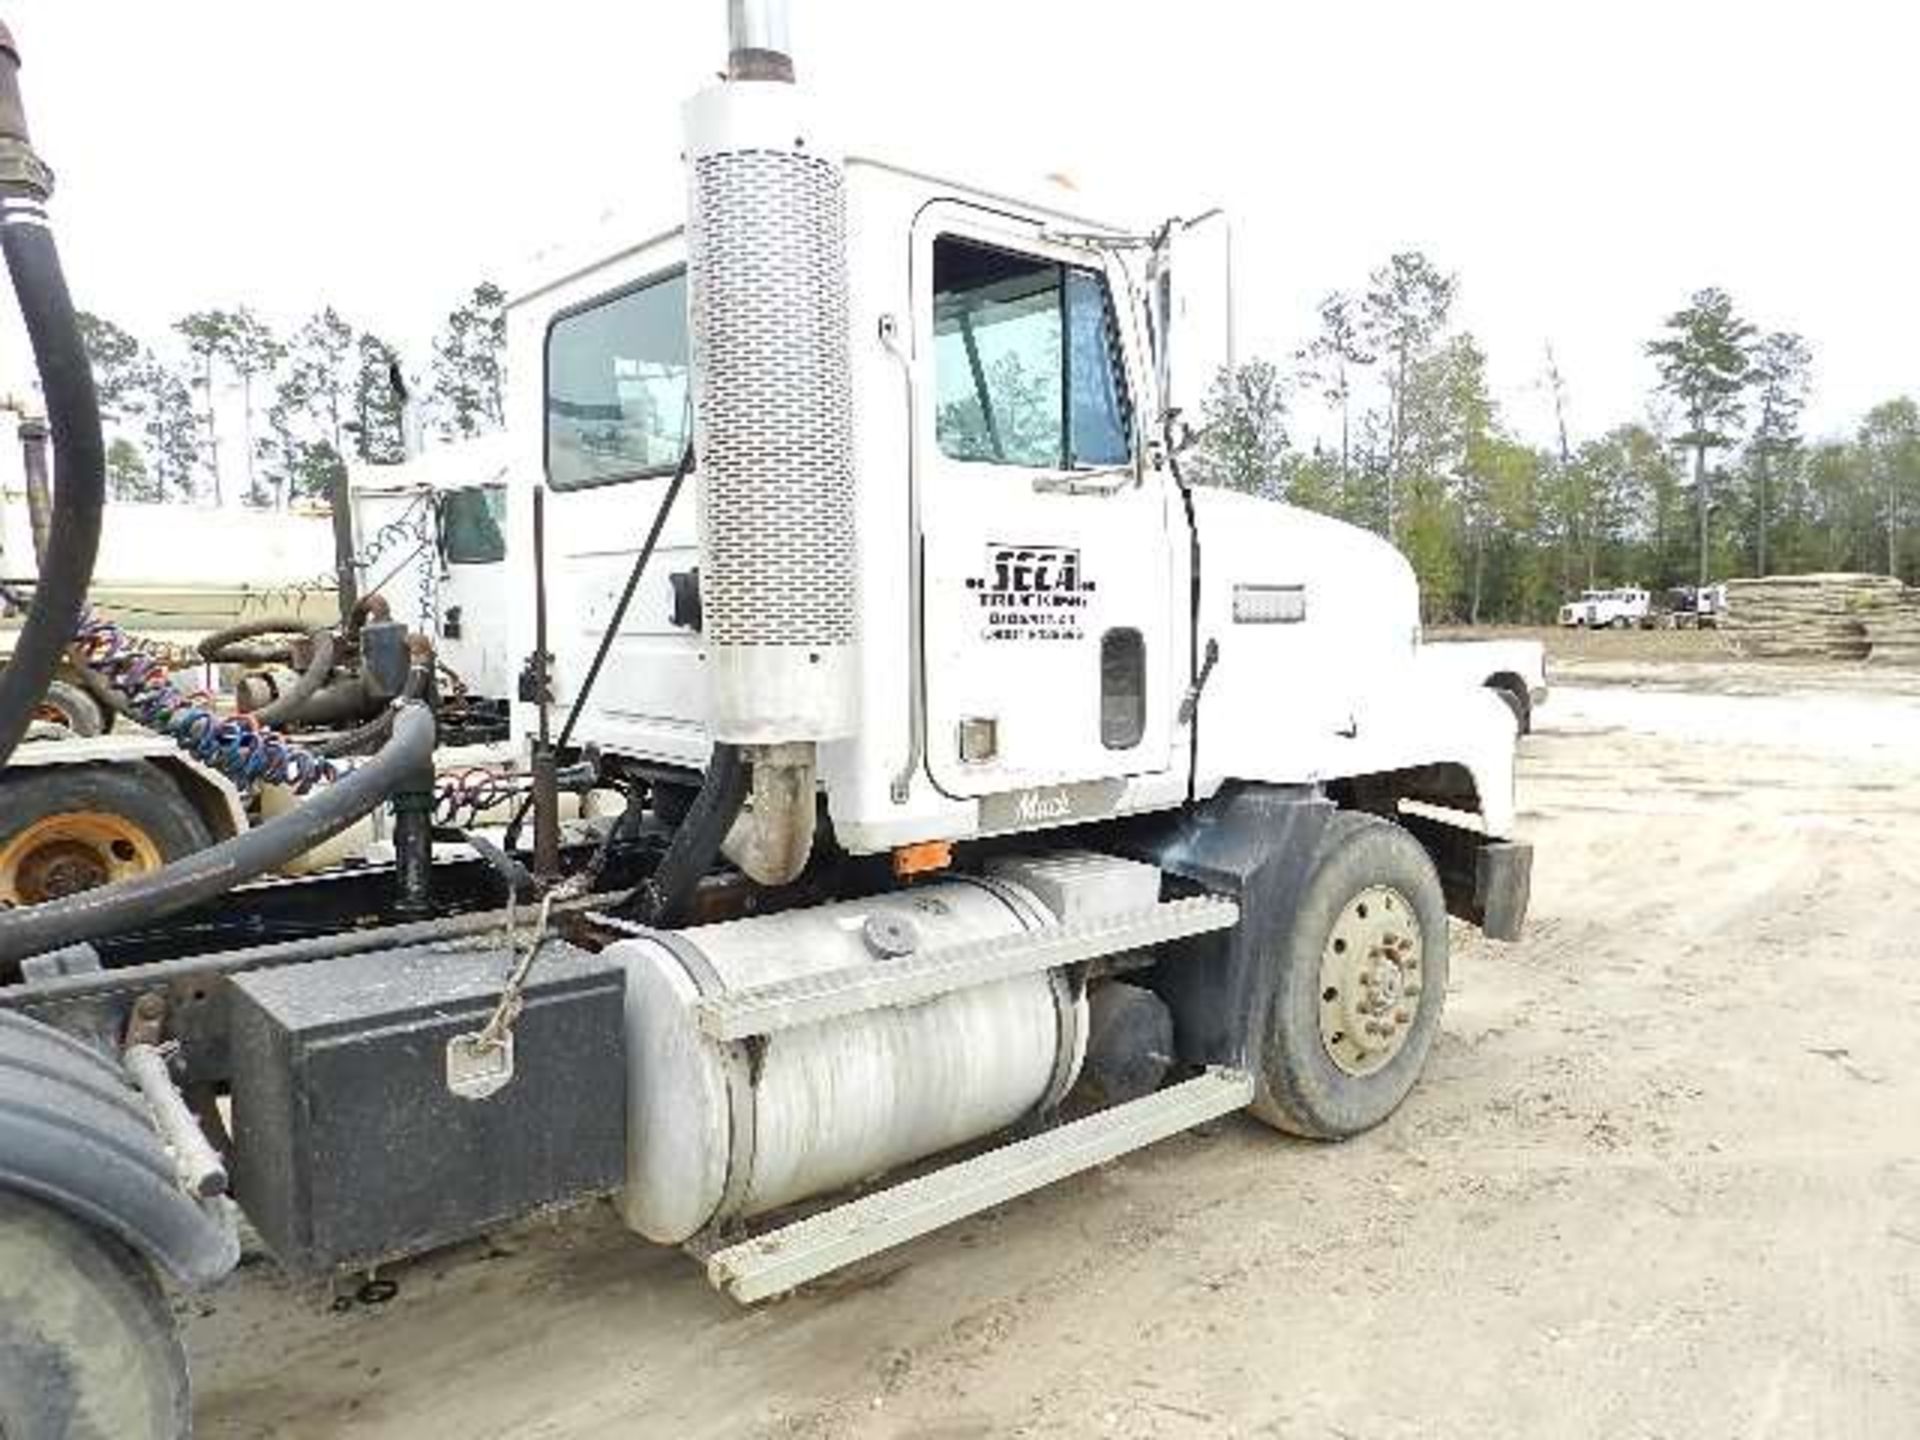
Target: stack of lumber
1894,630
1821,617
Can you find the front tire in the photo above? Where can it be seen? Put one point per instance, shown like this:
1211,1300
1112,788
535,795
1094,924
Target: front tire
88,1346
1360,980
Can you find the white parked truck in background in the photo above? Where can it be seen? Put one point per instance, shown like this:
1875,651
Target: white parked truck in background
1602,609
1002,801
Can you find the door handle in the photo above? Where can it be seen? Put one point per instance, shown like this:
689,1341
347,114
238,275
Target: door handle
1105,480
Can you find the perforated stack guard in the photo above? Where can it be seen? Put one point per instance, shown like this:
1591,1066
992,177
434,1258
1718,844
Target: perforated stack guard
773,416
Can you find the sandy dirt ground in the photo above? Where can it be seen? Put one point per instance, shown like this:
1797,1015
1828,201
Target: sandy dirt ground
1662,1178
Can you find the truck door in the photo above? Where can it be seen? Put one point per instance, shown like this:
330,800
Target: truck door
474,599
1047,580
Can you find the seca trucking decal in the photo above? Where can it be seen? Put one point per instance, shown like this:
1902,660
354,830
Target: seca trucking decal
1031,592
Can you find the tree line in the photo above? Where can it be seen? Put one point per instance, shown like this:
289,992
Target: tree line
230,403
1717,478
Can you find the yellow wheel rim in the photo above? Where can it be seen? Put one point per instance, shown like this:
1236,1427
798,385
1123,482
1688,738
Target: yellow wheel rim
63,854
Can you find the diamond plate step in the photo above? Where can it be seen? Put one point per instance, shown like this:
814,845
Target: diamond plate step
777,1261
807,999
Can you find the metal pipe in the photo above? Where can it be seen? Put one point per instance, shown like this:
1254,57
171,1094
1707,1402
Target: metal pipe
346,583
128,980
73,413
212,872
203,1174
758,43
546,785
413,842
614,622
773,837
33,464
542,678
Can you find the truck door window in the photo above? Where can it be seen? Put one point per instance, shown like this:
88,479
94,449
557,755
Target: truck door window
617,398
471,525
1026,365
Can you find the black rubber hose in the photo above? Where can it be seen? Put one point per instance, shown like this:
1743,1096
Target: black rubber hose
289,702
73,415
213,872
369,736
661,899
218,647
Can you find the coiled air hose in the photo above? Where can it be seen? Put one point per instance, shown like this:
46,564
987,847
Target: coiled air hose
240,747
73,413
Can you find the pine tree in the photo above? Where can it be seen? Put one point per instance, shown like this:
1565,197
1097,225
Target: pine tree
468,363
1705,365
1782,374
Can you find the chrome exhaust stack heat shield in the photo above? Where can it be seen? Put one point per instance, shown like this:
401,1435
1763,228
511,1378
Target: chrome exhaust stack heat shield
773,406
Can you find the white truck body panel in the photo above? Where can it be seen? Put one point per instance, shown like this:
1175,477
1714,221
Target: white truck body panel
1518,664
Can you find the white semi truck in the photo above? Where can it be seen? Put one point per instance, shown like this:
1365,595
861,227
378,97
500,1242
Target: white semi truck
1006,803
1616,609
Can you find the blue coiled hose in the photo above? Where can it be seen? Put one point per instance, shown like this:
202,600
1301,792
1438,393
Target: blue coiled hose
238,746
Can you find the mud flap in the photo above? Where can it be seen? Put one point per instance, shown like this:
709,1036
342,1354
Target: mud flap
1255,844
75,1134
1488,882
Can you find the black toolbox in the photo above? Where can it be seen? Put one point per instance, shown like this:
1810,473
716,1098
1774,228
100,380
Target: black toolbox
350,1145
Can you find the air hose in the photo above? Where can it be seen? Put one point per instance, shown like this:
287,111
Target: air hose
238,746
73,413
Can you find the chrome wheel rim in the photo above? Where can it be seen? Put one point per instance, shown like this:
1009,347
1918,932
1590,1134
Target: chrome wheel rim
1370,980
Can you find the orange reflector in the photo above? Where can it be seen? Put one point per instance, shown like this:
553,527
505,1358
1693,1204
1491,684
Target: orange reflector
918,859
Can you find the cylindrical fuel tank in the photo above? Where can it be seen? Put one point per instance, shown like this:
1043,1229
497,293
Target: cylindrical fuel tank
719,1131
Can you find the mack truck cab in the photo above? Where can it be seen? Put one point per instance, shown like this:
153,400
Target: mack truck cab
1053,627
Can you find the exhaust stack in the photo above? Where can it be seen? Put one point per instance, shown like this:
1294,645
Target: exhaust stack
757,43
773,426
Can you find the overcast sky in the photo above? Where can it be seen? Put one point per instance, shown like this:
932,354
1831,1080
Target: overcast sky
1582,168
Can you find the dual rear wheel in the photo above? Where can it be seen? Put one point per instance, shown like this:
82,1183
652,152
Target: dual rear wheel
88,1346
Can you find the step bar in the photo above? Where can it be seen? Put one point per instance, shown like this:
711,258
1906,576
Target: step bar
808,999
781,1259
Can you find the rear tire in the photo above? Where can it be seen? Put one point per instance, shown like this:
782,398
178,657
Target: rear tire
88,1345
67,828
1371,928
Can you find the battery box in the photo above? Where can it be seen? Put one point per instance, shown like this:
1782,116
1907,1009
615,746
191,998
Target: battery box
351,1144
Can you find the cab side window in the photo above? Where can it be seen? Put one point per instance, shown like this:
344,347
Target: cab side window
1027,364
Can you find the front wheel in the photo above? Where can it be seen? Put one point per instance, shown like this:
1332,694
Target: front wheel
1361,978
88,1347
